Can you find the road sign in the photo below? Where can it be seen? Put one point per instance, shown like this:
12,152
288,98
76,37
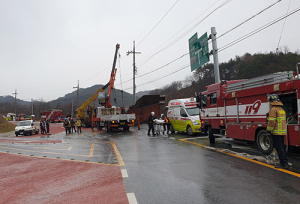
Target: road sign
199,53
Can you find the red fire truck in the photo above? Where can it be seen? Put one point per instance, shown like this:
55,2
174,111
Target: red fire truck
238,109
53,115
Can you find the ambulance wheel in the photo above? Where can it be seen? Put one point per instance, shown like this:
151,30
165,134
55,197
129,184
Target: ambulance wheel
189,131
211,135
264,142
172,129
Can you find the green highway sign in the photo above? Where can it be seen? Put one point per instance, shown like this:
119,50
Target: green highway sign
199,53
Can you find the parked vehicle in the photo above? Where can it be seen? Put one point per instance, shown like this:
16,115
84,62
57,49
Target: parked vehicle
26,127
111,118
10,117
237,109
184,116
53,115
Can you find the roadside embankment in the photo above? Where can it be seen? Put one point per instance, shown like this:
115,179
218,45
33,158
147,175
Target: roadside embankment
6,126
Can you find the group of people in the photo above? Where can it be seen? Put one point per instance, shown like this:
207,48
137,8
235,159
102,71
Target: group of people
44,126
151,120
69,125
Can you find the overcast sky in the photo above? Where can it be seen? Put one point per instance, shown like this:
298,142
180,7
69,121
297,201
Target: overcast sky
46,46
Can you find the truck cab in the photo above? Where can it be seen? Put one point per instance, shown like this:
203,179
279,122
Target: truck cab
212,110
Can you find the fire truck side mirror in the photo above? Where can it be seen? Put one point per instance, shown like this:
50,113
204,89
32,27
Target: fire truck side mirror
198,100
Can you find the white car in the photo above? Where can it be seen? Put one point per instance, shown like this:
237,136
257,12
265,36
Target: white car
26,127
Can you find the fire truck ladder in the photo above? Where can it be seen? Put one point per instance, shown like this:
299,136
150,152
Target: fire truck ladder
49,116
261,81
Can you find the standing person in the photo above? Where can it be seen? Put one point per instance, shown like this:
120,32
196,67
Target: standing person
150,124
41,126
78,124
47,126
73,125
44,127
67,126
277,129
166,123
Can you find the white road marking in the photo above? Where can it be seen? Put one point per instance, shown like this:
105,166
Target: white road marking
131,198
194,138
124,173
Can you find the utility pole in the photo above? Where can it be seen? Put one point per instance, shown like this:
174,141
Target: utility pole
215,54
31,106
15,101
72,110
77,93
134,69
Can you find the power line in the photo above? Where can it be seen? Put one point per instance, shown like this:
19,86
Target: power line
185,33
283,27
257,30
152,19
249,19
180,69
222,48
157,23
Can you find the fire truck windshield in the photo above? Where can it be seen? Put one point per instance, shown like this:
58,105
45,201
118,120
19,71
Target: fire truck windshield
193,111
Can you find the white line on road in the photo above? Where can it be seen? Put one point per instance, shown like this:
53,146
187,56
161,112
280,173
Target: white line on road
124,173
194,138
131,198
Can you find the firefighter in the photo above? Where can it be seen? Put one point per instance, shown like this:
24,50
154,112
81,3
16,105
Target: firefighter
150,124
277,129
72,125
78,124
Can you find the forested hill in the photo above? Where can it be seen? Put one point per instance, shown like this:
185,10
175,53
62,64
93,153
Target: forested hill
244,67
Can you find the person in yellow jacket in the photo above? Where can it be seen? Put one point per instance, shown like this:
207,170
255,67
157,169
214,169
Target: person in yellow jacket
78,124
277,128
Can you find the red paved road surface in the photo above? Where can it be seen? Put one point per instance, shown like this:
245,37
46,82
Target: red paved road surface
38,180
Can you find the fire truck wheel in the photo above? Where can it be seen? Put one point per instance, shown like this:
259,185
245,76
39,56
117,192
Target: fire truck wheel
172,129
189,131
264,142
211,135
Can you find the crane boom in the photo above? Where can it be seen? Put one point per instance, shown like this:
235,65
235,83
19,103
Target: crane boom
86,106
111,82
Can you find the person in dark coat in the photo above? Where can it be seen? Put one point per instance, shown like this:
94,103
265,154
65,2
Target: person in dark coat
67,126
47,126
41,127
150,124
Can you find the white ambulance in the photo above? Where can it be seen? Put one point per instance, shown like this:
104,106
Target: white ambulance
184,116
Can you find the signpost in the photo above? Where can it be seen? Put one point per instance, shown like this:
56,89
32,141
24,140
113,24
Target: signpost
199,54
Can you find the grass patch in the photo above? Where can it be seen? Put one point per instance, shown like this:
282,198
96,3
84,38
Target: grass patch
6,126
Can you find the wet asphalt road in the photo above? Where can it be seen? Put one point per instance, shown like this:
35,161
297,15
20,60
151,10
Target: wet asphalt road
167,170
